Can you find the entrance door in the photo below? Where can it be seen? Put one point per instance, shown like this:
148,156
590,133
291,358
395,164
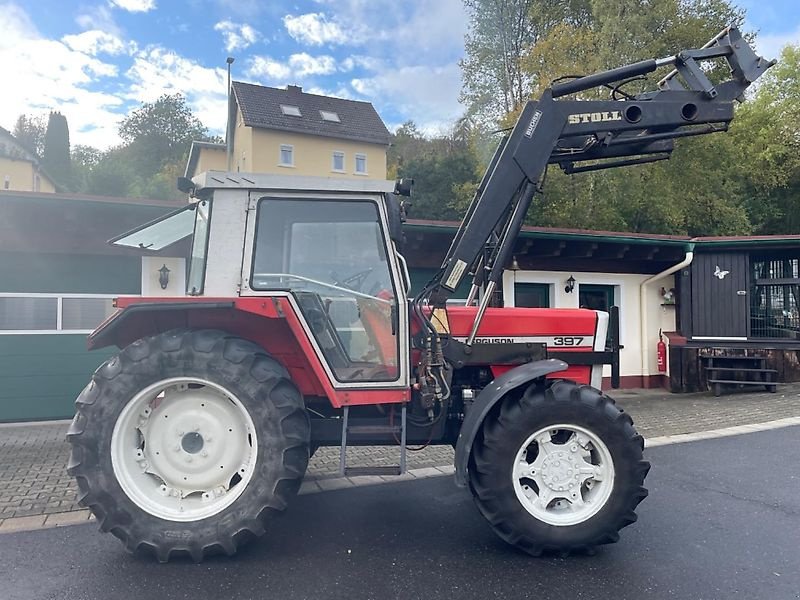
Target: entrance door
719,296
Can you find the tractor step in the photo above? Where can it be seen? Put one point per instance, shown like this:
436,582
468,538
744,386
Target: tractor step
373,429
356,471
344,470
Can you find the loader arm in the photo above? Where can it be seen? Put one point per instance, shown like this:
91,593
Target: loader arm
583,135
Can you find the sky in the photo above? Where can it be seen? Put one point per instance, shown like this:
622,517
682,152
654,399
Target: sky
95,60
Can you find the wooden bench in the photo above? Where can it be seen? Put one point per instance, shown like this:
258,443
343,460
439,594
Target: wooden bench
725,371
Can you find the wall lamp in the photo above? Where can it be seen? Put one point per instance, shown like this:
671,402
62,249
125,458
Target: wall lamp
570,285
163,276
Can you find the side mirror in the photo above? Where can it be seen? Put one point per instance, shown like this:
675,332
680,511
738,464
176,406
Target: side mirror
403,186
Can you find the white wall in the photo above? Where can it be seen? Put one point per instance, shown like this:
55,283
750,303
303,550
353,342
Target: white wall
150,275
626,296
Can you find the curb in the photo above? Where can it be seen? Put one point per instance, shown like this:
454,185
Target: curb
317,486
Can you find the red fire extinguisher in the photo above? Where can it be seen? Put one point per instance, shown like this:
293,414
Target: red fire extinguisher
661,352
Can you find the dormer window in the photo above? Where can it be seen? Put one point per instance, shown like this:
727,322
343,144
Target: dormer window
329,116
291,111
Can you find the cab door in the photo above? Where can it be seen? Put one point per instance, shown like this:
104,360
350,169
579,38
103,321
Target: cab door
334,257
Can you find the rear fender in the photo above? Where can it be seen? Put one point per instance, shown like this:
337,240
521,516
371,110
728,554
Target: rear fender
488,398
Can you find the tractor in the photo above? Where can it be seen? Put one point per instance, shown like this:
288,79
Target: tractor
297,331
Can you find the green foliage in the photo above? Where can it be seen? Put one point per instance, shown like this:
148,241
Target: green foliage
160,132
443,168
29,131
745,181
56,157
156,141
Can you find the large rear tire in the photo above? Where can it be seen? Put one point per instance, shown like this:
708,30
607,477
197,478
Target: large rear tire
558,468
187,442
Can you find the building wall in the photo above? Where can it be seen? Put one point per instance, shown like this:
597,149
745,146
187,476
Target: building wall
211,159
20,175
626,296
312,155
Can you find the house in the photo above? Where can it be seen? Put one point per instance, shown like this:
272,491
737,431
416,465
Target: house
20,170
292,132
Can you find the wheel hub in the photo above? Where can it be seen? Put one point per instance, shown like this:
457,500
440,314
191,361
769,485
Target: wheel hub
561,471
192,442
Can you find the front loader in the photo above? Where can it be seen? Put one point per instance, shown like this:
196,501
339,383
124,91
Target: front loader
296,331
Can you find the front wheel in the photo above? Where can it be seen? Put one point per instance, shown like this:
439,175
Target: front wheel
558,468
187,442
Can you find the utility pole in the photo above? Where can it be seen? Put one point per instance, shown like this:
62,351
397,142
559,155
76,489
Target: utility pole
229,128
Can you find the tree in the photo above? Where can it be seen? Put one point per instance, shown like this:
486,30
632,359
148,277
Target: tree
56,158
699,191
29,131
500,32
766,135
440,167
160,133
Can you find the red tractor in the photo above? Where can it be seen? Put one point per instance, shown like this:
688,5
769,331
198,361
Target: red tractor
297,332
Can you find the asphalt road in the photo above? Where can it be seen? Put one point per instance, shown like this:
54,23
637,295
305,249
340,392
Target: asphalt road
722,521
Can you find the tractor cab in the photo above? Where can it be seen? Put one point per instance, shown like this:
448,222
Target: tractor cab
324,244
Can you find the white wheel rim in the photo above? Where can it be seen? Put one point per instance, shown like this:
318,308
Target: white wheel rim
563,474
184,449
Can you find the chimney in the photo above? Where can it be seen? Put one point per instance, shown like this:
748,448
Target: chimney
294,89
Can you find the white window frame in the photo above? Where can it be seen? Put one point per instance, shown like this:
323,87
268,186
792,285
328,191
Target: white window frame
288,148
330,116
289,110
355,164
59,315
333,162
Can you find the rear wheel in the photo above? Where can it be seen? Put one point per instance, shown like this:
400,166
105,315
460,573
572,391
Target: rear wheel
558,468
187,442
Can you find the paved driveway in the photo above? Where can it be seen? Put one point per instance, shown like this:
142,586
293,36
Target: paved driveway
722,521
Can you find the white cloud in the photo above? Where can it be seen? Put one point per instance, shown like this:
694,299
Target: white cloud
304,64
98,18
134,5
770,46
314,29
268,68
94,42
297,66
51,75
237,36
428,95
156,71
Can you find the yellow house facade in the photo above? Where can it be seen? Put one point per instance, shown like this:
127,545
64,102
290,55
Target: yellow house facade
20,170
291,132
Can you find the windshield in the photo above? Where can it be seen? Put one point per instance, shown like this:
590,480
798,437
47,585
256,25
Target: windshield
332,256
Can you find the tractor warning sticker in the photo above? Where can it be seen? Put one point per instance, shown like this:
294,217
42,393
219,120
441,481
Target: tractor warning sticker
455,274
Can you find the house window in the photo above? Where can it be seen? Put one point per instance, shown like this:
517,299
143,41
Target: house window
338,162
52,313
532,295
287,156
361,164
775,298
596,297
6,182
291,111
329,116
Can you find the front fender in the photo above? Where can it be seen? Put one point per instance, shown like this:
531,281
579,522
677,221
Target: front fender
491,395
